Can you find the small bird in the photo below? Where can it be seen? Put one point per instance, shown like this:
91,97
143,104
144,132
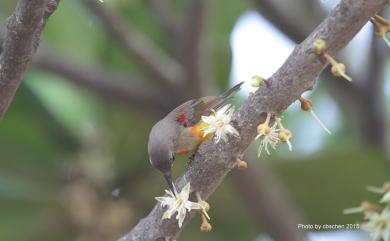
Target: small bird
180,132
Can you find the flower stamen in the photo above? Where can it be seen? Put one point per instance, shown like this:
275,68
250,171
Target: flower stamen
307,105
268,135
218,124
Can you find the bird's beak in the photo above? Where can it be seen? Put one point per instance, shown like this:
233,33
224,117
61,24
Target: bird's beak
171,185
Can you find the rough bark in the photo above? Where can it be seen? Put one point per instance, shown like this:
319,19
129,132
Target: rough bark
24,28
213,161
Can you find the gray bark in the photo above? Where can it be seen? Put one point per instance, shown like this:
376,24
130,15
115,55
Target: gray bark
24,28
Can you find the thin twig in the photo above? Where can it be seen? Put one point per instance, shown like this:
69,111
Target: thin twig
165,17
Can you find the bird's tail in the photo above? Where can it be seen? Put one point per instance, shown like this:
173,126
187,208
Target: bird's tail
232,91
227,95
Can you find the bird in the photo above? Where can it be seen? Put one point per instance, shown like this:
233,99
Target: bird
180,131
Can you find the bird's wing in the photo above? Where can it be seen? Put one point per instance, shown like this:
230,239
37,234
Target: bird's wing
191,112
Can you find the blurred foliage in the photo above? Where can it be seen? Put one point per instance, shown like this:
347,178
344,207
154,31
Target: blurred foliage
74,167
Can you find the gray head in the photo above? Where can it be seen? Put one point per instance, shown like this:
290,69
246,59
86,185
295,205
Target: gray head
161,149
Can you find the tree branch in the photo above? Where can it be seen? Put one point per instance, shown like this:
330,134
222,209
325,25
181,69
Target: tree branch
213,161
151,58
108,85
194,49
22,37
165,18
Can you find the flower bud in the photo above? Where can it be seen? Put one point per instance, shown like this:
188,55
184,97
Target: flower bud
242,165
306,105
319,46
257,81
285,135
205,204
381,25
338,69
205,227
263,129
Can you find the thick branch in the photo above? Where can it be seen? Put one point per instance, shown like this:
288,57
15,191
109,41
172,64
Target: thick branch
108,85
136,45
24,29
213,161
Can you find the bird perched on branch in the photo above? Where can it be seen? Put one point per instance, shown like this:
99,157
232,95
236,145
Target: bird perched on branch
181,131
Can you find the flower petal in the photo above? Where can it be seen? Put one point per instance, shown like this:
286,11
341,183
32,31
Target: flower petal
185,192
181,215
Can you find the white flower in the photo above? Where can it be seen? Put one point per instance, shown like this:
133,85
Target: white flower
179,204
378,225
219,124
269,138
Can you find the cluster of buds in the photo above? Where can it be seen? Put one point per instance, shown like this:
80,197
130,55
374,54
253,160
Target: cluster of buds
377,218
338,69
307,105
381,27
272,135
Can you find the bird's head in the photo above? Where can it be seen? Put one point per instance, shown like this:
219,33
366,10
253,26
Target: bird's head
161,154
